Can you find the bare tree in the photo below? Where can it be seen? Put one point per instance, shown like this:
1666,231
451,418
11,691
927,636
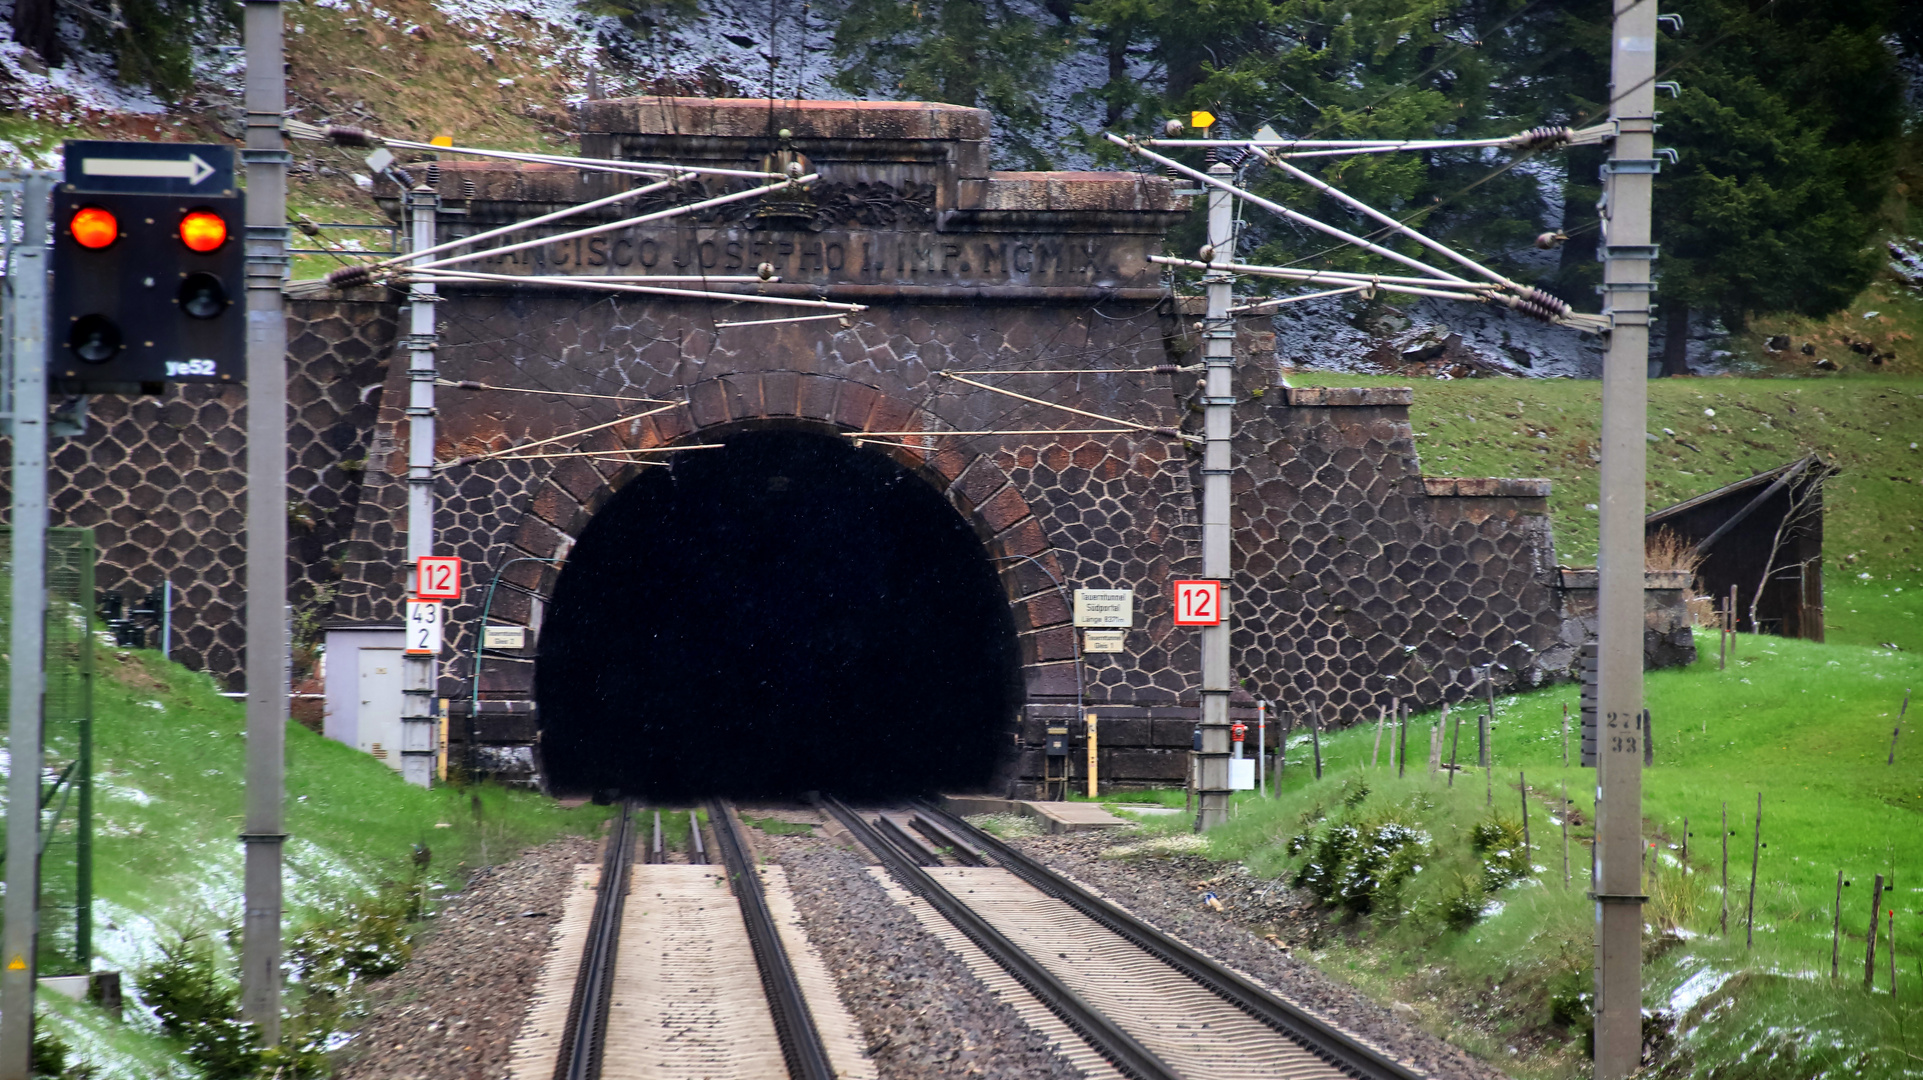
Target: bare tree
1805,507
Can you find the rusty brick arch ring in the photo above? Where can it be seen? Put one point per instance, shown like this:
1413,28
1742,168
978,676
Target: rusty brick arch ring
573,492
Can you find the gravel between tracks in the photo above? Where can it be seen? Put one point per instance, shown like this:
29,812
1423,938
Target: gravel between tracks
454,1010
924,1015
1163,892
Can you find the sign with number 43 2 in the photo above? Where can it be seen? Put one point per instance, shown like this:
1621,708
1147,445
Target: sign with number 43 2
424,627
1198,603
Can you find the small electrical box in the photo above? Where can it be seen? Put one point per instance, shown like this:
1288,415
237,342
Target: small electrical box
1058,742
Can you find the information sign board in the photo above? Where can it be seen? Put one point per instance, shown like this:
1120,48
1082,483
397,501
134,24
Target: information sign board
1103,641
1105,607
437,577
1198,603
423,627
504,637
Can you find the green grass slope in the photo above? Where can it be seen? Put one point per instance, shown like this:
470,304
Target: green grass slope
1804,725
169,768
1710,432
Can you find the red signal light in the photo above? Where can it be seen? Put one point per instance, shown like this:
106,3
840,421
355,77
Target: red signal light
203,231
93,227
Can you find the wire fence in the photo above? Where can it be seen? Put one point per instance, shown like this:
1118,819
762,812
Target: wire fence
66,855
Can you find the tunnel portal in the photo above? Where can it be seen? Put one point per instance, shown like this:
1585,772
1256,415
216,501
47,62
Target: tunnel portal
789,613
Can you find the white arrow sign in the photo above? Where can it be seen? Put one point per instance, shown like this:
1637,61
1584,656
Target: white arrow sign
193,169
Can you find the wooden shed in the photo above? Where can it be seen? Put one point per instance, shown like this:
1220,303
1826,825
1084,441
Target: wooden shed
1764,532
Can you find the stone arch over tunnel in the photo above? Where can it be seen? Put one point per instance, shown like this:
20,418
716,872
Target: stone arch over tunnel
813,614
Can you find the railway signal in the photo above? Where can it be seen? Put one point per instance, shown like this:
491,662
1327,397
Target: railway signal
149,276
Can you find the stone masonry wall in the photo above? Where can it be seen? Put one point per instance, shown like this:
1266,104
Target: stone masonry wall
162,480
1359,581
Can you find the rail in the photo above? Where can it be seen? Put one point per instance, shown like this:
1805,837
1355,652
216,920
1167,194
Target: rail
1118,1046
580,1057
801,1044
1334,1046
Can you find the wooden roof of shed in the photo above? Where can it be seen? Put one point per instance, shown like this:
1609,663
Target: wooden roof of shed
1745,484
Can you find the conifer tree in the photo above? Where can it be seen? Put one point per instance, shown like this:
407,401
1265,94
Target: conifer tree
1785,128
981,53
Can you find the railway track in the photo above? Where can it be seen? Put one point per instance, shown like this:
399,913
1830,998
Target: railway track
692,970
699,970
1151,1007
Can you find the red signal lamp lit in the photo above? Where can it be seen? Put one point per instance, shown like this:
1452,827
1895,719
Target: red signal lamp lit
202,231
93,227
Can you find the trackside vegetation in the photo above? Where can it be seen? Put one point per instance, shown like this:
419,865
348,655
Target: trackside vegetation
369,859
1428,897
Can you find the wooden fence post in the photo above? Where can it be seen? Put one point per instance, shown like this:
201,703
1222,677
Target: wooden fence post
1565,834
1869,955
1755,858
1836,931
1522,783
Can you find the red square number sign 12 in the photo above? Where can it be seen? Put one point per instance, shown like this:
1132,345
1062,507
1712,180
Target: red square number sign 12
1198,603
438,577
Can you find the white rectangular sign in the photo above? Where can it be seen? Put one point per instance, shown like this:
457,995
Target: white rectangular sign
1241,774
424,627
505,637
1103,641
1105,607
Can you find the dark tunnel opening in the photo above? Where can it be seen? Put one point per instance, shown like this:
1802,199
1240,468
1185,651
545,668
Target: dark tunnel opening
790,613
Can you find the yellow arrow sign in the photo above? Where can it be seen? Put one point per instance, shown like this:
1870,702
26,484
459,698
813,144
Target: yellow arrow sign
1201,118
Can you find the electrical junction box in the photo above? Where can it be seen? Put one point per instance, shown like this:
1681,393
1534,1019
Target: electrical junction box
1057,742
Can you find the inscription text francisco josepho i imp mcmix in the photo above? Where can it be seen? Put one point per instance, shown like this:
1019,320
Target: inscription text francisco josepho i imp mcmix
826,257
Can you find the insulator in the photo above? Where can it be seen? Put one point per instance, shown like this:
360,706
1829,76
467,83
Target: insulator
1549,302
345,277
470,384
1537,137
401,176
1167,432
308,227
1173,129
1166,369
349,135
433,175
468,190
